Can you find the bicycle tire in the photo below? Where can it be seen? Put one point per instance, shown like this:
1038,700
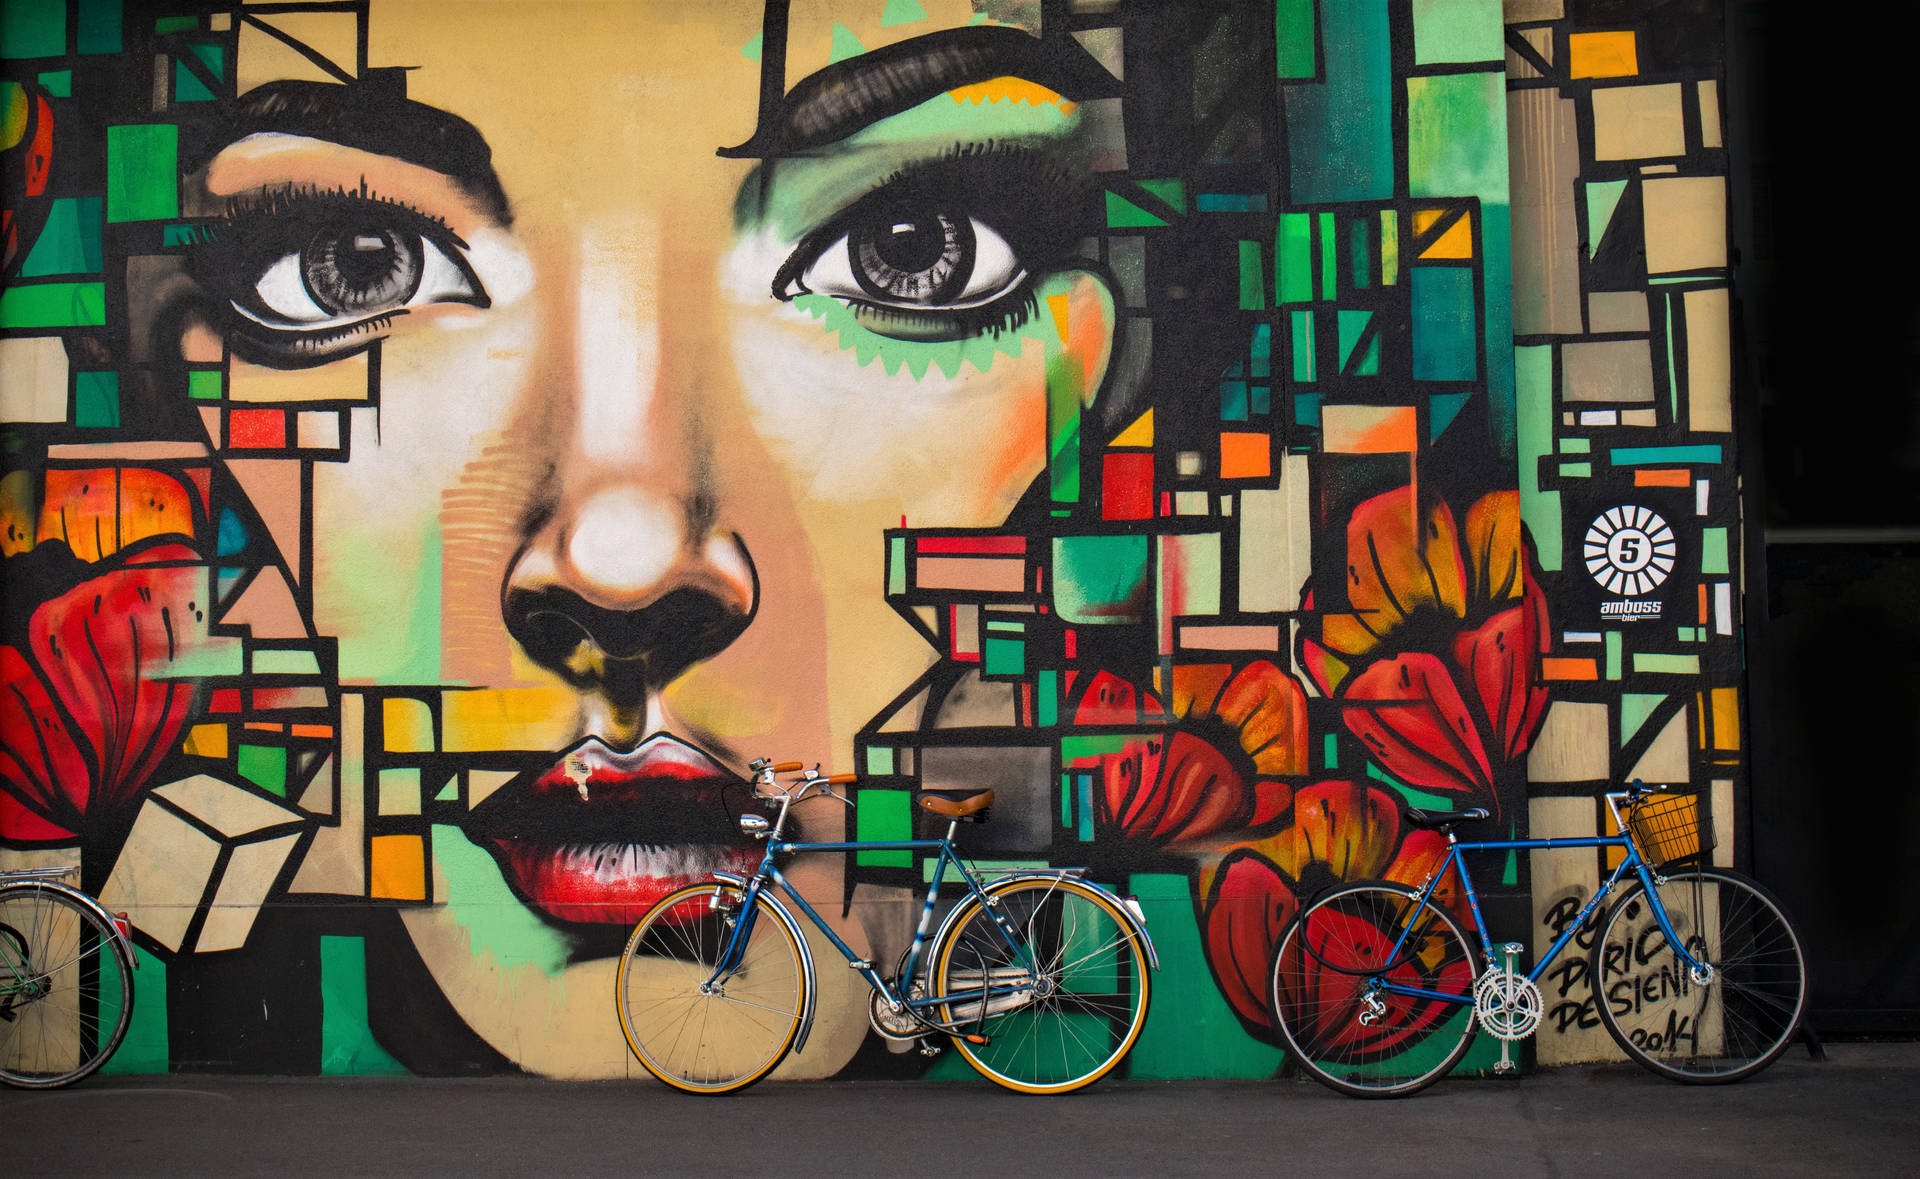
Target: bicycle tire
68,1005
1323,980
1084,1012
719,1041
1734,1025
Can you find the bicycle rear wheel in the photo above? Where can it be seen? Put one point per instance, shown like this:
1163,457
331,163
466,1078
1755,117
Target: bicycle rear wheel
66,987
1331,1002
702,1039
1730,1026
1062,1025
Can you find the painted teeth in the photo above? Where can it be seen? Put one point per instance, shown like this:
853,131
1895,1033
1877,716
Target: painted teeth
623,861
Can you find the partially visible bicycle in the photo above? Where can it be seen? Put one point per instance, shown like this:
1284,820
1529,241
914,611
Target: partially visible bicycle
1697,973
1039,978
66,980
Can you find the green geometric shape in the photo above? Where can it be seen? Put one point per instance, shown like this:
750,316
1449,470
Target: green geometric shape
1442,408
143,172
1361,274
1576,470
1670,664
845,45
1613,654
145,1050
1253,286
293,662
1457,136
1190,1031
1293,258
33,28
98,29
751,50
1635,708
1603,197
879,760
1174,192
1340,132
1303,350
901,12
206,384
1351,326
1331,751
176,24
58,83
1123,213
1047,705
883,816
96,399
1066,386
1539,510
1100,579
1293,39
263,765
54,304
1576,445
1444,324
1457,30
1306,409
1004,656
69,243
897,565
1260,354
347,1046
1713,550
1233,401
1635,456
187,86
1329,259
448,793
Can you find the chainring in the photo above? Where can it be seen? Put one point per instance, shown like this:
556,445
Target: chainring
1507,1004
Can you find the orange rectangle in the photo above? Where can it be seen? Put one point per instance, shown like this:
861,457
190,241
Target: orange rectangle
1726,718
397,867
993,574
1611,54
1662,478
1369,429
325,731
1569,669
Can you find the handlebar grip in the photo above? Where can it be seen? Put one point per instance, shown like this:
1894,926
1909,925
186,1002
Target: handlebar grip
839,778
787,767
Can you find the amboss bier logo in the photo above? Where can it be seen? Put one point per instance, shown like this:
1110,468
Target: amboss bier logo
1629,551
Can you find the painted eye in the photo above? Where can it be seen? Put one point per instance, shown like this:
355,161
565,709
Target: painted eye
347,273
915,256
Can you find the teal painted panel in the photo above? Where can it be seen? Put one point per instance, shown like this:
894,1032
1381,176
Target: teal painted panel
1340,131
1444,323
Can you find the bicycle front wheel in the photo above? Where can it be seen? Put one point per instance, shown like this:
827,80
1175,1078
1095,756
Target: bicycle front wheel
697,1033
1333,996
1055,1005
66,987
1730,1024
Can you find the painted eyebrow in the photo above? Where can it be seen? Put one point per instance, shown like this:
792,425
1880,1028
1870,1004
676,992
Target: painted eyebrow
371,115
850,95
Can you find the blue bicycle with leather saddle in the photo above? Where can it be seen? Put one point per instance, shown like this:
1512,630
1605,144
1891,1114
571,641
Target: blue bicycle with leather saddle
1696,971
1040,978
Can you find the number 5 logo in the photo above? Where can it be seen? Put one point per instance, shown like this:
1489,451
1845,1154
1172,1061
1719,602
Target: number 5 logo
1630,550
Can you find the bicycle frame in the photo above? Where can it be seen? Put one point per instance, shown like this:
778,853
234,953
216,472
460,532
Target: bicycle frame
1453,860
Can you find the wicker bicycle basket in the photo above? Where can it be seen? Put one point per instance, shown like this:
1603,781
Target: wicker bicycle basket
1668,828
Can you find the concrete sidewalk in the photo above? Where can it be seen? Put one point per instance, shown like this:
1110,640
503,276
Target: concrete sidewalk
1857,1113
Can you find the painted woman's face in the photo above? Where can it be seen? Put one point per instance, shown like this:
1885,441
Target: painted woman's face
635,414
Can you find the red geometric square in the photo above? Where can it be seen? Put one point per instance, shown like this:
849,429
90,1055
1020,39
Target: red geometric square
1126,486
256,429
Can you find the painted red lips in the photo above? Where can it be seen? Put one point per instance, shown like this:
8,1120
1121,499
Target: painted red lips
602,835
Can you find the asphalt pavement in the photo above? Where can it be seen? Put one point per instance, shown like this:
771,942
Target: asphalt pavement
1856,1113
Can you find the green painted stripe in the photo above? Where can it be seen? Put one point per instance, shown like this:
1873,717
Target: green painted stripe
1639,456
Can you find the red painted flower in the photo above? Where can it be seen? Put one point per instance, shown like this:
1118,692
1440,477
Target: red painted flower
1248,895
1230,734
90,697
1436,659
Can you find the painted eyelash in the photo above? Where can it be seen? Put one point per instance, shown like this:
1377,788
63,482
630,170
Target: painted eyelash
1037,245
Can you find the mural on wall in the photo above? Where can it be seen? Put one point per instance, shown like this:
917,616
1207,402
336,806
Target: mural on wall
445,441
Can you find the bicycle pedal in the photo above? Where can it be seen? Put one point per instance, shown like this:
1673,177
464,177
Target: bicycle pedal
859,964
927,1049
1503,1067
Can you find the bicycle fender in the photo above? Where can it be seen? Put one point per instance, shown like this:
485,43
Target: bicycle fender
1136,923
785,916
120,936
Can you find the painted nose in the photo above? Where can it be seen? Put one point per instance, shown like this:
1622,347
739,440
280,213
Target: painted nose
624,589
